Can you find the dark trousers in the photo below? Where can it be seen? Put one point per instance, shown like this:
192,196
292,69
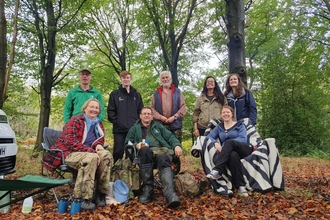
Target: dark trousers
201,131
146,156
231,155
118,145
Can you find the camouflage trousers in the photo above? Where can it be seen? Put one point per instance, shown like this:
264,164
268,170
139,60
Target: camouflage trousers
177,133
89,173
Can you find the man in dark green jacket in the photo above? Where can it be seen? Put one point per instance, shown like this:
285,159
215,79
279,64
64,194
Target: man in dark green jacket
155,145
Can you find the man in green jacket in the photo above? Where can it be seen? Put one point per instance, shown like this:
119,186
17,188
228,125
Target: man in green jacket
79,95
156,146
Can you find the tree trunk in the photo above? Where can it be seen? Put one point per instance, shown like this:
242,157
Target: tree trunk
235,22
12,49
3,52
47,61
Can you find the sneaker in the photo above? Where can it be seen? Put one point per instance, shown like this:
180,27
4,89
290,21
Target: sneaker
214,175
226,193
242,191
100,199
87,205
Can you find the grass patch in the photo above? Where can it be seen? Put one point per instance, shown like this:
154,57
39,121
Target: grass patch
26,163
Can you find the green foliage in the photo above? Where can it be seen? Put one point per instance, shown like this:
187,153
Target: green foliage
293,102
287,47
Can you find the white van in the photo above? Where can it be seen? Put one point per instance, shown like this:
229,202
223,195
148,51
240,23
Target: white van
8,146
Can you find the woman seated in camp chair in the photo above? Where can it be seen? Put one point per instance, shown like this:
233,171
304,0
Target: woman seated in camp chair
82,142
233,146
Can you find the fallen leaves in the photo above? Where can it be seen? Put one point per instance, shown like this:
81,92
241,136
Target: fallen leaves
306,196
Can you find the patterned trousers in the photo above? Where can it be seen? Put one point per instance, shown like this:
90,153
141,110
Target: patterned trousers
177,133
89,172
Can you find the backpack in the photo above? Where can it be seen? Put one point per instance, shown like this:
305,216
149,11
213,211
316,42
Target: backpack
189,185
126,171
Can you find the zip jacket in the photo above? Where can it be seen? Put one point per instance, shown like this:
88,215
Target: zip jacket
76,99
237,133
124,109
244,106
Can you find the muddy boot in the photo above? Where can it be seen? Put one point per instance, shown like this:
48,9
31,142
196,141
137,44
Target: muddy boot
147,176
166,176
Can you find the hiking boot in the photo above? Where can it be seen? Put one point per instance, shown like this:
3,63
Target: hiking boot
99,199
214,175
242,191
87,205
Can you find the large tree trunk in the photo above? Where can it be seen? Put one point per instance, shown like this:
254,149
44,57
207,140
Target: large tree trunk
48,49
47,61
235,21
3,52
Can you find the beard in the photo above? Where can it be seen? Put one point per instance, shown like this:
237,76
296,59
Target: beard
167,84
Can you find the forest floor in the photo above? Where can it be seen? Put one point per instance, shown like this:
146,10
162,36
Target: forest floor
306,196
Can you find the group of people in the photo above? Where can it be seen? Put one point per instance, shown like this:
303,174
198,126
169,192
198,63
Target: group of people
235,104
82,139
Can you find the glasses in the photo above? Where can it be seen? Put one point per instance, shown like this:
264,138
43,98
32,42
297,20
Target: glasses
94,107
210,82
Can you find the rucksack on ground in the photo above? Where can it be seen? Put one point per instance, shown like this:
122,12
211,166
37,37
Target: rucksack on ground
189,185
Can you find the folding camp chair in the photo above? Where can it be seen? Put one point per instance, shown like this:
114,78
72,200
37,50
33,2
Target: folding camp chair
50,137
28,182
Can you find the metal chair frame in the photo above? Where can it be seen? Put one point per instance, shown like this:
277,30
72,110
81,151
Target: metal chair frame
50,136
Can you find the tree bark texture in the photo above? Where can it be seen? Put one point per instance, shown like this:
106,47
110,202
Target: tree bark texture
235,22
47,65
3,52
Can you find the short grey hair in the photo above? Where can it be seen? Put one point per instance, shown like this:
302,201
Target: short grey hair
165,72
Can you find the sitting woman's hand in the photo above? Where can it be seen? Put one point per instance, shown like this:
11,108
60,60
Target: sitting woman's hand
217,146
99,147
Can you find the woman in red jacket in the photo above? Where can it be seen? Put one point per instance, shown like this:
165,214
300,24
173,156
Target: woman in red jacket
82,142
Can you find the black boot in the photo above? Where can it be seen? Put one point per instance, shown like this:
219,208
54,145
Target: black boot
166,176
147,176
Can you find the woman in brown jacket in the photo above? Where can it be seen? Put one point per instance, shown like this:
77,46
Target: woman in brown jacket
208,105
